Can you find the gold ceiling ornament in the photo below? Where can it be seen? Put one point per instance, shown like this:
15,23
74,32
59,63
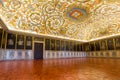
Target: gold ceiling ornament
76,13
63,30
23,24
15,4
103,31
74,19
35,17
72,30
82,0
53,23
49,7
113,28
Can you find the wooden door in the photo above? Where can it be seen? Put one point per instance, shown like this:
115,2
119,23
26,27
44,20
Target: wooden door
38,50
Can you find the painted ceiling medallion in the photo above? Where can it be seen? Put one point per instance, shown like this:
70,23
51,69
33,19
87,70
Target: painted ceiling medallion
74,19
77,14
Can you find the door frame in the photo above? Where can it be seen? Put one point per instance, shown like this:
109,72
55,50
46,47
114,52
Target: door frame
43,47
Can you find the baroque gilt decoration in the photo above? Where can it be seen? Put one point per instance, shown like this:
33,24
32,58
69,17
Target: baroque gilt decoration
74,19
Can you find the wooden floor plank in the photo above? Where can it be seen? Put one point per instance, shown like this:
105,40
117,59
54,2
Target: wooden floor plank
61,69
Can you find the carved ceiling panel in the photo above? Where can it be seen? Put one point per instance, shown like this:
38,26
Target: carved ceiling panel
74,19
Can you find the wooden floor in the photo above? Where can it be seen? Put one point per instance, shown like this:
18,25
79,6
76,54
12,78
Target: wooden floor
61,69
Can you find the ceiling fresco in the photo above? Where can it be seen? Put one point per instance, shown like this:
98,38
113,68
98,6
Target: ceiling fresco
81,20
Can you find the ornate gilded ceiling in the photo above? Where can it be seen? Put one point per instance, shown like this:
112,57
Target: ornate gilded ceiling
74,19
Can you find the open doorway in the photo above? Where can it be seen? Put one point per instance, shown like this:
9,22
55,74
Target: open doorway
38,50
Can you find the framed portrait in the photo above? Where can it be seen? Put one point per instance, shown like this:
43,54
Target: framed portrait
75,46
110,44
62,45
79,47
11,40
97,46
86,47
71,46
52,44
58,45
67,45
83,47
4,40
103,45
92,46
20,42
47,44
117,43
1,31
28,44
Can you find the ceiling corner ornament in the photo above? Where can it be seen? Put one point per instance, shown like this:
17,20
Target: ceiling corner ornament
73,19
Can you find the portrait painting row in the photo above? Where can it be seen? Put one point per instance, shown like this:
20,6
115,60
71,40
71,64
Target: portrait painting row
62,45
107,44
1,31
13,41
18,41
